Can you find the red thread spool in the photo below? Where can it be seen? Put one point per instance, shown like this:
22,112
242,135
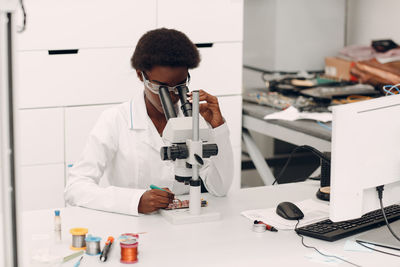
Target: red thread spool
129,248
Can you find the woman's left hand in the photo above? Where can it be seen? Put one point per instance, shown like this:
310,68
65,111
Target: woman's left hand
209,110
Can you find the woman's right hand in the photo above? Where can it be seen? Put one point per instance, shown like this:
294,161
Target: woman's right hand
155,199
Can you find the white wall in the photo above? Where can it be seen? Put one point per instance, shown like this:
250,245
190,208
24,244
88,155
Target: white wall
292,35
372,19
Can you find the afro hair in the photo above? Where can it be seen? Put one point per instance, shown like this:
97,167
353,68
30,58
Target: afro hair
165,47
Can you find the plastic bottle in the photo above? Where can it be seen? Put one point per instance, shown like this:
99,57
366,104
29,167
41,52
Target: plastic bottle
57,226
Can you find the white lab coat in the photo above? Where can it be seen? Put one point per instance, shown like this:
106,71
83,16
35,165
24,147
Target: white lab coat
124,146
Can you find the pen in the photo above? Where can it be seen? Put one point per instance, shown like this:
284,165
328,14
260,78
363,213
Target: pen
269,227
152,186
106,249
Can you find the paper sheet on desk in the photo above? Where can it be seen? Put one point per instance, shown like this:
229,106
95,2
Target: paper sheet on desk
292,114
313,212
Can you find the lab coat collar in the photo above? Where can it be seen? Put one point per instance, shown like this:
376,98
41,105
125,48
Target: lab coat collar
138,113
139,120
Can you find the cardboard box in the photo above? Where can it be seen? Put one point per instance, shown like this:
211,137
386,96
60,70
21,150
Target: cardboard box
339,69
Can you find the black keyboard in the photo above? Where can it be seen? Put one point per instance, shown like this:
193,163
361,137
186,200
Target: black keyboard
331,231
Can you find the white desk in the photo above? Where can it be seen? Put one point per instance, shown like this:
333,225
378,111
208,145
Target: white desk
228,242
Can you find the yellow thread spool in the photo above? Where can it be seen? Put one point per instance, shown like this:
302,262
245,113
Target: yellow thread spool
78,238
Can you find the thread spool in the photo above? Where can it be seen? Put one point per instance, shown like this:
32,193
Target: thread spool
78,238
129,248
259,227
92,245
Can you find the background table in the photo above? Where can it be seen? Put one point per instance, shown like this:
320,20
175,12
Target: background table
302,132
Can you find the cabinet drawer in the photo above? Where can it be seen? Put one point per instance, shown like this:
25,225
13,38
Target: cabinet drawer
86,76
41,187
67,24
203,21
41,135
220,69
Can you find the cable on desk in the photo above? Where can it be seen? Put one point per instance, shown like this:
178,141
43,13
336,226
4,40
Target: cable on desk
323,254
309,148
374,249
391,87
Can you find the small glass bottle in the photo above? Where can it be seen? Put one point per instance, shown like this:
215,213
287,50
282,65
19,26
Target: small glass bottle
57,226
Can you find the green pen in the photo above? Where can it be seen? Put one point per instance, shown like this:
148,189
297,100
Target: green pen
152,186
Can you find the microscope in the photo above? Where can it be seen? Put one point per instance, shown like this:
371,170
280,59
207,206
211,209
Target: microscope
188,136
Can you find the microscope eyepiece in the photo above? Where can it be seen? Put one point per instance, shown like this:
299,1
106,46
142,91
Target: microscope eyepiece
166,102
186,106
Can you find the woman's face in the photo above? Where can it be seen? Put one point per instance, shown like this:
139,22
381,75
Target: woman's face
162,75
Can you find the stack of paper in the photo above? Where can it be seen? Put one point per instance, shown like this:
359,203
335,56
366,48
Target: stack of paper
313,212
292,114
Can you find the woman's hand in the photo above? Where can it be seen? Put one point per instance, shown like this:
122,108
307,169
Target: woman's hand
209,110
155,199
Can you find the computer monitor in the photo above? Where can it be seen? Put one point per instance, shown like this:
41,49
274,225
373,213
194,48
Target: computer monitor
365,154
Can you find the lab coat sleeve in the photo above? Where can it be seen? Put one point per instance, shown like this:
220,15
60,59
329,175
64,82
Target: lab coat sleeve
217,172
82,188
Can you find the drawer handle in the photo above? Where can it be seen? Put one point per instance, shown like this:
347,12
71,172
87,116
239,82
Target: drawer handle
63,52
204,45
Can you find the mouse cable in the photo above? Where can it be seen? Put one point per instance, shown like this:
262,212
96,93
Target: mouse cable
309,148
374,249
379,189
323,254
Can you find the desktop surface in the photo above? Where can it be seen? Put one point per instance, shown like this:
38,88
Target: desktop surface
228,242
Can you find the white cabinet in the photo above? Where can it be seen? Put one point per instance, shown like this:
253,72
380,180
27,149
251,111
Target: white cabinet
90,76
73,62
231,109
203,21
75,24
41,136
79,121
41,187
220,69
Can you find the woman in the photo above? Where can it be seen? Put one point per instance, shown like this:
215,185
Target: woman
125,143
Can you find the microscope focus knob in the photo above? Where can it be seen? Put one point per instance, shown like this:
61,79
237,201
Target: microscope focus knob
210,150
179,151
164,153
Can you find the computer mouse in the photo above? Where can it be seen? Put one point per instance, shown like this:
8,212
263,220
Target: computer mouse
289,211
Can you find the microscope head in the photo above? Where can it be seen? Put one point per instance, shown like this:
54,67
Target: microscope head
179,132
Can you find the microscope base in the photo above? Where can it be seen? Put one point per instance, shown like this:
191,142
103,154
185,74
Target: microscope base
183,216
